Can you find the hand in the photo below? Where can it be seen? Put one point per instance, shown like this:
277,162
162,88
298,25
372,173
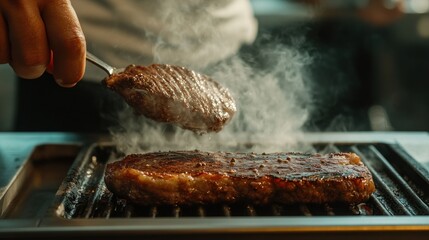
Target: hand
42,35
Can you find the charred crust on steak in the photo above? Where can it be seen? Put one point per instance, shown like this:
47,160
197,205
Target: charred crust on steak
196,177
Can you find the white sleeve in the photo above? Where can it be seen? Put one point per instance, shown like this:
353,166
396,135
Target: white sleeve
192,33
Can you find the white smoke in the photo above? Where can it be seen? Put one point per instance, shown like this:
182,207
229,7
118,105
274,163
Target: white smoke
272,102
272,107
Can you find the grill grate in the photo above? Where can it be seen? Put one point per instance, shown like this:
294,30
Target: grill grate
402,188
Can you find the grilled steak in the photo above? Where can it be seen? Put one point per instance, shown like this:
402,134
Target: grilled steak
175,95
196,177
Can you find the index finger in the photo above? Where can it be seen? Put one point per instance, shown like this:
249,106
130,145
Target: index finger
66,41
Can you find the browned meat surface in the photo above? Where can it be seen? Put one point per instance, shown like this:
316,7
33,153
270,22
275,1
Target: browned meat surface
175,95
195,177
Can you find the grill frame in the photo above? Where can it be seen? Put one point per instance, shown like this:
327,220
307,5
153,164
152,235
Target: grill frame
402,200
394,227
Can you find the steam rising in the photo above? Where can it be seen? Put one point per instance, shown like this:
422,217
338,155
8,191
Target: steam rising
272,106
272,101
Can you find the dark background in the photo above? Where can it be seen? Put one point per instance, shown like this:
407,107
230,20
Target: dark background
363,77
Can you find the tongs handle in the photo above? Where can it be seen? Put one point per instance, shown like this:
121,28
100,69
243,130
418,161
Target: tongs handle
100,63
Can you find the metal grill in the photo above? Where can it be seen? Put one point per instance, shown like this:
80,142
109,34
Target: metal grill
402,188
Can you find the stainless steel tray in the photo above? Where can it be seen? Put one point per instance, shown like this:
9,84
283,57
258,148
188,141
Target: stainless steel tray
33,189
59,192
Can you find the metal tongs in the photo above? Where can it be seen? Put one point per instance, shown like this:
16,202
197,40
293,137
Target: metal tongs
102,65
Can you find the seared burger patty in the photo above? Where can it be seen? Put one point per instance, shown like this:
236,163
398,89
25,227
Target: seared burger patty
176,95
196,177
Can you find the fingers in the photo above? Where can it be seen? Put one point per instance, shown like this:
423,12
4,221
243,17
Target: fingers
66,40
38,34
4,42
25,38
